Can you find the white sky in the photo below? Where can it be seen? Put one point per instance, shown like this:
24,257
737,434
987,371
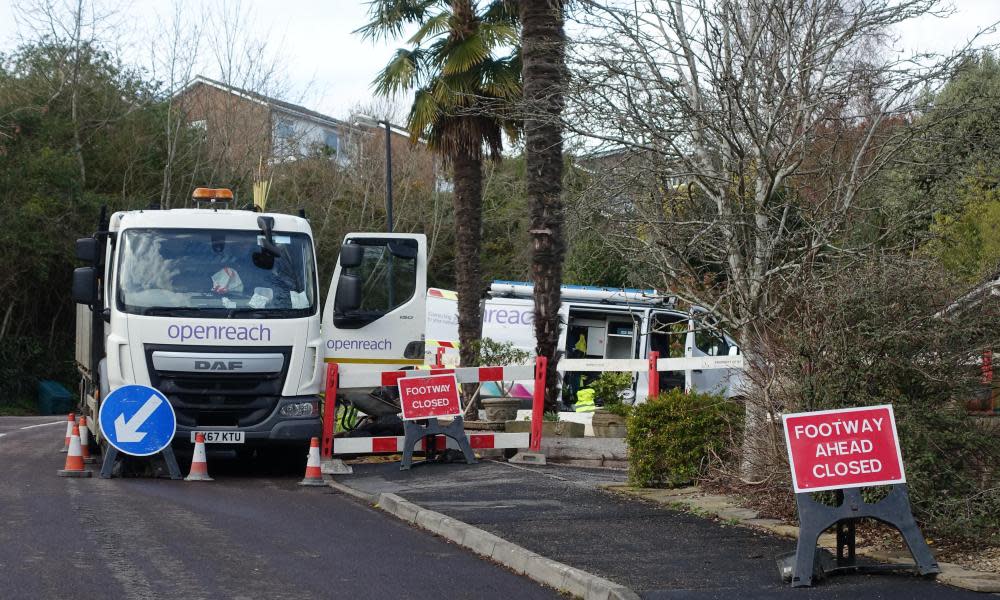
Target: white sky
330,69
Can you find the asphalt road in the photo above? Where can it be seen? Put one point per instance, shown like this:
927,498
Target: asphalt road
660,553
252,533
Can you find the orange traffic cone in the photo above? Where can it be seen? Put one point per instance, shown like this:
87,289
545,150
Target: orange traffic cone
70,422
313,474
85,441
199,465
74,458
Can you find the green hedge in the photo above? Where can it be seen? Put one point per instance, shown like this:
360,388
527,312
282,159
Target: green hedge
671,437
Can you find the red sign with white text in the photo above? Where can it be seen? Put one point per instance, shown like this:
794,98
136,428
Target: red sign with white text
426,397
850,447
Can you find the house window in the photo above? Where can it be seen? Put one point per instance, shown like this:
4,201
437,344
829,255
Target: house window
332,141
284,130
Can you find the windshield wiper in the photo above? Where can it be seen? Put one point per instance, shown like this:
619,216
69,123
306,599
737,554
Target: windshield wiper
171,311
261,313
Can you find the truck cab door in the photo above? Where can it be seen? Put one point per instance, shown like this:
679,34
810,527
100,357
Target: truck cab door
374,311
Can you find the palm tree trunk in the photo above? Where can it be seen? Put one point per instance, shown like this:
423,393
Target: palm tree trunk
542,46
468,273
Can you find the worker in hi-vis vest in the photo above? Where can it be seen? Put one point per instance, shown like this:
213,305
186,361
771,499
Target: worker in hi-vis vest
585,401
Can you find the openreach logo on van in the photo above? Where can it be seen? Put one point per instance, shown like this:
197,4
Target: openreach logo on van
509,316
382,344
218,333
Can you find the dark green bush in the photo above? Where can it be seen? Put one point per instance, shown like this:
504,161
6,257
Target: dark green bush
672,437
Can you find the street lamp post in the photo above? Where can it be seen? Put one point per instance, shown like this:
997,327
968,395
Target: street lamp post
388,176
372,122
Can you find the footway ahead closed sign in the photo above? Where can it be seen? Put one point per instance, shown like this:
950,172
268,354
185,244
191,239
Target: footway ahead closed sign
851,447
426,397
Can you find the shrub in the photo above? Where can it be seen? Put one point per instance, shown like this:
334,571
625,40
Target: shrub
610,387
672,436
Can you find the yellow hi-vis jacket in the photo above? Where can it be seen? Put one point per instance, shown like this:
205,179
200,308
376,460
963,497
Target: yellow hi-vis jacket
585,401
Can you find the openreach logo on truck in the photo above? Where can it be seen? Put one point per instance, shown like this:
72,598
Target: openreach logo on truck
382,344
216,333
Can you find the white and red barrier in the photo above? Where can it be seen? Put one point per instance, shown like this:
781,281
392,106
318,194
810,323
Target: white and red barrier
484,440
394,444
653,365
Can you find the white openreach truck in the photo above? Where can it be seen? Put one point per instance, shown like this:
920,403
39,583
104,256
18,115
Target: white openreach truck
219,309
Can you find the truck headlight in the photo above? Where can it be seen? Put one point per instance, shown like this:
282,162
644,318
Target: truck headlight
298,409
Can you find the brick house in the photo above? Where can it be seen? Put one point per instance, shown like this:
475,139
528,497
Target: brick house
244,126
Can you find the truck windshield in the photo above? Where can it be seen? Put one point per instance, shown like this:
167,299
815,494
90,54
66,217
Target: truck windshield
215,273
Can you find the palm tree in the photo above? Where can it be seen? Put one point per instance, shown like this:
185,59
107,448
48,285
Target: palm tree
543,43
464,92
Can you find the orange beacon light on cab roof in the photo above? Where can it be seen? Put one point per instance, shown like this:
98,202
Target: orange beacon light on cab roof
212,194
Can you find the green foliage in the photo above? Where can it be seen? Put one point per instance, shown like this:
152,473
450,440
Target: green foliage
950,169
51,189
610,386
464,88
672,437
494,353
968,242
876,334
550,415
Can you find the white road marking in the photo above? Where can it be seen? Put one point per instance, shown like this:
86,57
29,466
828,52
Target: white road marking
2,434
43,424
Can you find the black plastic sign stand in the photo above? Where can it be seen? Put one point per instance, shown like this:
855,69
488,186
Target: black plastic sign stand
417,430
815,518
111,456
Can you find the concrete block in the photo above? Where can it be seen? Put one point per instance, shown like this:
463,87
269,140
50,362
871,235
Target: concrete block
452,529
512,556
976,581
399,507
387,502
480,542
407,511
335,466
360,495
429,520
526,457
548,572
585,448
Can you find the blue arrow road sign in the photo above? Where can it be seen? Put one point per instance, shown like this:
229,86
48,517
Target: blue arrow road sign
137,420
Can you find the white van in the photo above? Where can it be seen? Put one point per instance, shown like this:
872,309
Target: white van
599,323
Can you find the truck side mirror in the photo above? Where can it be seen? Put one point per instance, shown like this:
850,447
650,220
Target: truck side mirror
348,293
84,286
351,255
86,250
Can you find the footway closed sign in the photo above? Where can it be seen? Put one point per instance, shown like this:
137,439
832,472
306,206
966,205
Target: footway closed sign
426,397
851,447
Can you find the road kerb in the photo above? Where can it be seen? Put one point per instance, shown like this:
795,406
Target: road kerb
516,558
360,495
723,507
